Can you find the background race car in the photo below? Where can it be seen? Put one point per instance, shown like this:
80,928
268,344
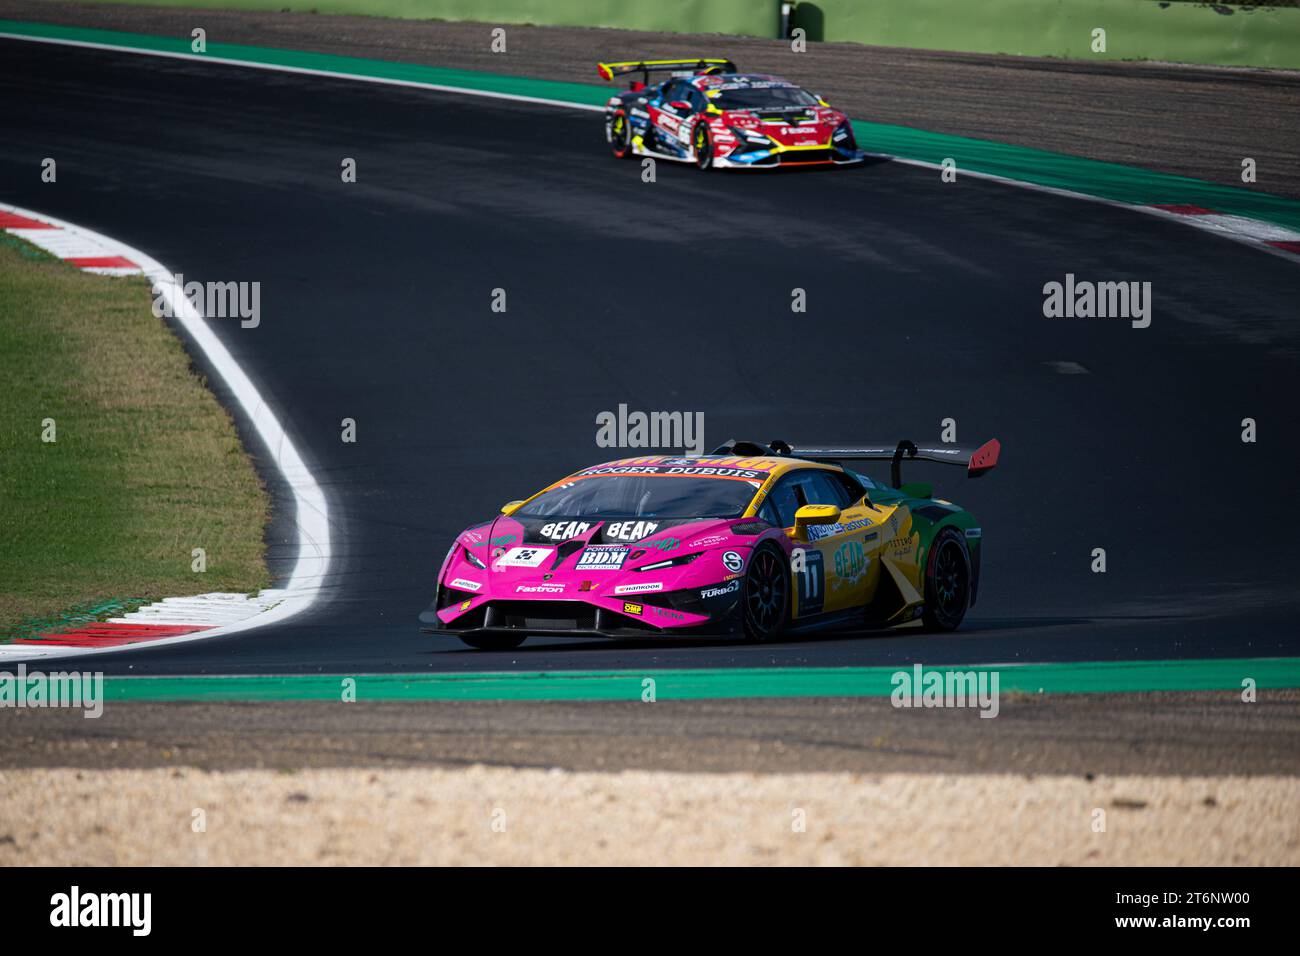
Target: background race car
711,115
752,540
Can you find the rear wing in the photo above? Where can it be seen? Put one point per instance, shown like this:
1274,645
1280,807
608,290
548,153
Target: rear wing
977,461
686,67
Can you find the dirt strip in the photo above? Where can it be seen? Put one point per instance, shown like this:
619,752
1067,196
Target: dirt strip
1204,734
1190,120
496,816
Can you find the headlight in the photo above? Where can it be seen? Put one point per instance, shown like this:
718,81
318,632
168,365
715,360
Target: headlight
843,136
473,559
749,136
672,562
442,568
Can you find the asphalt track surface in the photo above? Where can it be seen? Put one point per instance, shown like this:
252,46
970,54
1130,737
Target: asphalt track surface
1182,119
925,302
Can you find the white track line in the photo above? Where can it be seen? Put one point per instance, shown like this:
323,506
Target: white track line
307,71
312,510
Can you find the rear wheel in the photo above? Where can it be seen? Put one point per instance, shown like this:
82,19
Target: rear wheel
620,135
493,642
765,598
947,582
703,146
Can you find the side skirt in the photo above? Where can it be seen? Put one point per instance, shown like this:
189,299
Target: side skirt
831,620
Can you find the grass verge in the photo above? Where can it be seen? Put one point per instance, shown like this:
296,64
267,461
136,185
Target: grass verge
144,467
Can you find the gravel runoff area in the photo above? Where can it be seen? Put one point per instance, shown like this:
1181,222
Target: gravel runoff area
1181,778
1189,120
482,815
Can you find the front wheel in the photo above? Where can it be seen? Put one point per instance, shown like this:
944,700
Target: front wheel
947,582
703,146
765,598
493,642
620,135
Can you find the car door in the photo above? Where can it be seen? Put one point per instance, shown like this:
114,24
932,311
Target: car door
839,567
673,123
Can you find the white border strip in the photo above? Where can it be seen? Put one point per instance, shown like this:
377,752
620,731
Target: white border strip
312,511
279,68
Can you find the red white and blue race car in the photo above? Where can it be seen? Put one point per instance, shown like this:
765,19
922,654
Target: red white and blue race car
708,114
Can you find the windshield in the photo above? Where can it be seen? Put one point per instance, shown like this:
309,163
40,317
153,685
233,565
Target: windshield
644,496
768,98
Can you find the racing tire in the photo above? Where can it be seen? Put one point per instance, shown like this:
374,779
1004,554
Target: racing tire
620,135
703,146
494,642
765,596
947,582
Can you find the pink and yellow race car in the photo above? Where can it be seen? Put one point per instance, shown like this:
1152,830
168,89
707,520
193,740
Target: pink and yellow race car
708,114
754,541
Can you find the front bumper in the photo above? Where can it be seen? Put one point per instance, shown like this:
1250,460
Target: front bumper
578,619
778,155
622,634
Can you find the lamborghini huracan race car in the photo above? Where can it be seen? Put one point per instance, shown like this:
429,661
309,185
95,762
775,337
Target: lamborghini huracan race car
752,540
708,114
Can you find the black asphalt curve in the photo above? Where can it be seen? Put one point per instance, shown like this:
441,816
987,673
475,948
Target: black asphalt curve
924,302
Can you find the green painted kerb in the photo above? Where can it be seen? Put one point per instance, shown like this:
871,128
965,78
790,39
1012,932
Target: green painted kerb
1111,181
1084,678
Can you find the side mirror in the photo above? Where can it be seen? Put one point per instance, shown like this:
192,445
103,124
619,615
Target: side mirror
681,106
814,514
510,507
